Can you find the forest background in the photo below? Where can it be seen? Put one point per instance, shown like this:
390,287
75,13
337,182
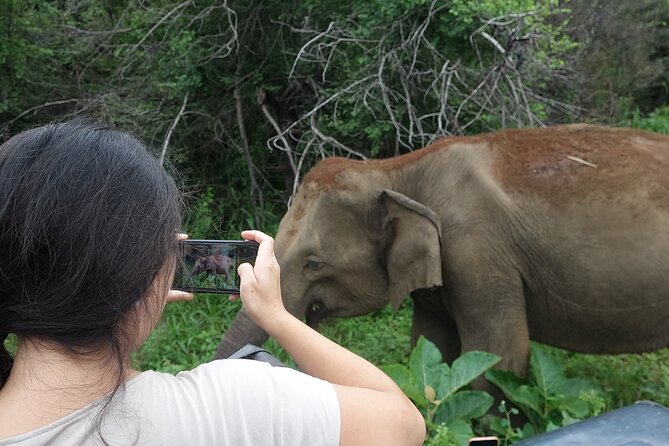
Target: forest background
241,98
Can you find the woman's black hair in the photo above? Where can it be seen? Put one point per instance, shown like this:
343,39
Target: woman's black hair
88,222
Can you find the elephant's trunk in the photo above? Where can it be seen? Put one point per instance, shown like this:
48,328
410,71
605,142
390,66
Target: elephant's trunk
242,331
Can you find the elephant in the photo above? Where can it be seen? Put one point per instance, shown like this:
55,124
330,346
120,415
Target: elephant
558,235
213,264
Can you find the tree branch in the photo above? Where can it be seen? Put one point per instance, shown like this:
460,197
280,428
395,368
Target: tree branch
245,146
166,142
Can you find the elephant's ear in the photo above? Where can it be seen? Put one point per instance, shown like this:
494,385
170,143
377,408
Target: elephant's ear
413,251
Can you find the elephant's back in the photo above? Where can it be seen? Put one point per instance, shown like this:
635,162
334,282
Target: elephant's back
584,162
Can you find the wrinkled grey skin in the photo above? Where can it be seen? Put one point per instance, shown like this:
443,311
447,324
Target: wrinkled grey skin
560,235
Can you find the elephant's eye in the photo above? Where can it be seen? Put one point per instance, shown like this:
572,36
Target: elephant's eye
312,264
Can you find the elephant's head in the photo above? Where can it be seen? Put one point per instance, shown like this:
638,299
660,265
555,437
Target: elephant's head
348,245
203,264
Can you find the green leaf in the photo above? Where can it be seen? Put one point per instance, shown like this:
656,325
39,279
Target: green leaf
576,407
546,371
439,376
517,389
467,368
461,431
498,425
464,405
567,419
405,380
423,356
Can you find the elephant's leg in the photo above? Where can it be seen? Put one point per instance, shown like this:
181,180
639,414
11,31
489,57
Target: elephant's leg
490,315
487,301
431,320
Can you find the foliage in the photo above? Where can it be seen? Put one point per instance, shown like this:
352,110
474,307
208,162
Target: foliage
25,62
410,71
439,390
624,56
655,121
548,399
213,82
626,378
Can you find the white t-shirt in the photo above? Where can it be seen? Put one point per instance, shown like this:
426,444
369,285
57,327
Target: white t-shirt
227,402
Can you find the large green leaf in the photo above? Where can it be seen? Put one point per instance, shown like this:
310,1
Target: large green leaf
463,405
438,376
461,431
406,381
517,389
423,356
575,407
466,369
547,371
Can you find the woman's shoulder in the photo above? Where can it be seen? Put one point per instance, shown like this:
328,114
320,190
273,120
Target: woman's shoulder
215,397
223,377
214,373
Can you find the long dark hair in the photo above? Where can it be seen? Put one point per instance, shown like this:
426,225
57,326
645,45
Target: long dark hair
88,221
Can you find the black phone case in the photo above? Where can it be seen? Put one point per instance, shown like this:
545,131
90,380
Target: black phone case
183,279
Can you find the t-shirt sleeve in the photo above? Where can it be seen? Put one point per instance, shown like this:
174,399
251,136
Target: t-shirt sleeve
245,402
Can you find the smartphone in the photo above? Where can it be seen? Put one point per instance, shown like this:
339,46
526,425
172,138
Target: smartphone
210,266
483,441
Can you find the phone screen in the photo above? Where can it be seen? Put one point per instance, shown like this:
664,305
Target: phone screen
210,266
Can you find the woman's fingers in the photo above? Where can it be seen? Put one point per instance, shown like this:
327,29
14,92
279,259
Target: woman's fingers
176,295
266,248
266,242
247,277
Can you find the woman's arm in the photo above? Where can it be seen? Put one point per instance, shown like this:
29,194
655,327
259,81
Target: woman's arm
373,409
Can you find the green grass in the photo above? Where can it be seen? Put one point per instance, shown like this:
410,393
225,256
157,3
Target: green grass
190,332
626,378
187,334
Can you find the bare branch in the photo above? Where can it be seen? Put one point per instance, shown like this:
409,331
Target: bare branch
245,146
330,140
494,42
160,22
280,133
166,142
36,108
306,45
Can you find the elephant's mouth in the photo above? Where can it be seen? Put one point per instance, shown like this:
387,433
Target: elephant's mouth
316,312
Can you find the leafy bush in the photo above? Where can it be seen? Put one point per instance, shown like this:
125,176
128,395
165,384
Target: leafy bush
656,121
439,390
454,413
548,399
626,378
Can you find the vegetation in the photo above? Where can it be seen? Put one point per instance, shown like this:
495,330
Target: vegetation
439,390
241,98
548,399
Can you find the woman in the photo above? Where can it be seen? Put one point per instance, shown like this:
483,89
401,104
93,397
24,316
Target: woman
88,246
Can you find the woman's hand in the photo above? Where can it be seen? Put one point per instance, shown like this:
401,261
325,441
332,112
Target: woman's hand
260,286
176,295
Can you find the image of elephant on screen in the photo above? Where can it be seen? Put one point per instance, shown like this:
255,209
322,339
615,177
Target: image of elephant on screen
559,235
213,265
